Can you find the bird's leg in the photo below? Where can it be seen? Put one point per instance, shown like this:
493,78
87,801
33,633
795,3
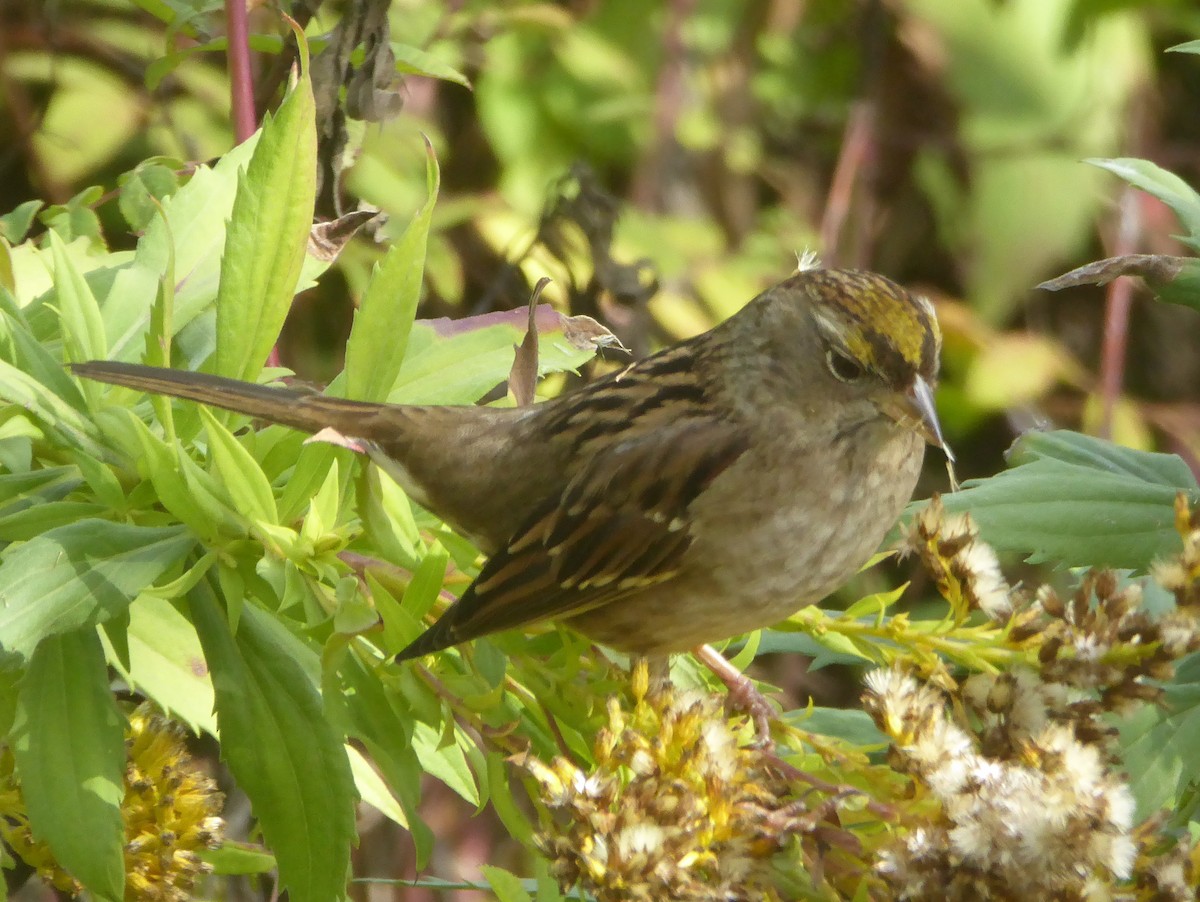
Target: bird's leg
659,669
742,693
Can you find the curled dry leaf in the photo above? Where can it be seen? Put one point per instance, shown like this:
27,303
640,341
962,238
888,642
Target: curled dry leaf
522,378
586,334
1175,280
326,239
1156,269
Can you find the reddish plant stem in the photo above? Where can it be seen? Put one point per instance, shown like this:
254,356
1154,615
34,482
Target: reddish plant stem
857,144
241,85
1116,314
670,95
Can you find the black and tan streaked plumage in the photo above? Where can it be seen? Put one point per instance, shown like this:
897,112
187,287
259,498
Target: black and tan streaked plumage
712,488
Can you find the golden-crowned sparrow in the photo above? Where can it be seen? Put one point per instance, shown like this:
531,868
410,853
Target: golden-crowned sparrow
712,488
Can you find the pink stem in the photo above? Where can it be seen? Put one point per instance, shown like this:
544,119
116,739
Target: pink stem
241,86
1116,315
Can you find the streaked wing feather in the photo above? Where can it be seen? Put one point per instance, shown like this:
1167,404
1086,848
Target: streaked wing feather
621,525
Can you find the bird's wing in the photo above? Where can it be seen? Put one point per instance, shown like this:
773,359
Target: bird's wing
621,525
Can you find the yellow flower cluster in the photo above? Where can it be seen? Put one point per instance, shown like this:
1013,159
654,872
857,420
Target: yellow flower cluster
170,810
1003,778
14,828
673,808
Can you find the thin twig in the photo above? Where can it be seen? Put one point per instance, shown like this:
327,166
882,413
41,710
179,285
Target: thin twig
857,143
1116,313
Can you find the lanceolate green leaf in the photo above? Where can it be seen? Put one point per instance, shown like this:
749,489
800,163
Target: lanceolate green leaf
267,236
1166,186
167,664
243,477
59,418
458,362
80,575
1080,501
190,238
69,746
280,747
31,356
383,322
83,328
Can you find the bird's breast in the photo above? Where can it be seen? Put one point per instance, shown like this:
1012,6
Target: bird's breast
783,527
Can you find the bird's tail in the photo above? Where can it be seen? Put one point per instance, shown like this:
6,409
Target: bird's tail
299,409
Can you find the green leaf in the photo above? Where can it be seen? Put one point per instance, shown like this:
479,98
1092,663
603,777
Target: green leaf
33,521
387,518
323,510
280,747
414,61
61,420
372,788
507,887
380,718
192,233
30,354
8,277
238,858
503,803
182,487
37,486
382,324
458,362
15,225
1159,746
851,724
102,481
166,662
76,218
83,327
1080,501
69,746
267,236
158,336
242,476
419,598
447,762
1097,454
802,643
80,575
1166,186
312,464
142,189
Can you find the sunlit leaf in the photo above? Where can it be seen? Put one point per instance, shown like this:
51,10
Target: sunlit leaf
1166,186
240,473
69,744
280,747
80,575
1080,501
267,237
382,324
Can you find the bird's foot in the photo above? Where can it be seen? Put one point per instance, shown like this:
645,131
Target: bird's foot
743,695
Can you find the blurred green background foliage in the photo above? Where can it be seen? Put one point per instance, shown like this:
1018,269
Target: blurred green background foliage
663,162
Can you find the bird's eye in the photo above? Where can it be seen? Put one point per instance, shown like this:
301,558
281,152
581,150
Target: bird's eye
843,367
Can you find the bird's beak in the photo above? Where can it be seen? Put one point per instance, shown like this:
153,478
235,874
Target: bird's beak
915,409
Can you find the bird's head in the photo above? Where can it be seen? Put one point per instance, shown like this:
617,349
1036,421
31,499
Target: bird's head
877,344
